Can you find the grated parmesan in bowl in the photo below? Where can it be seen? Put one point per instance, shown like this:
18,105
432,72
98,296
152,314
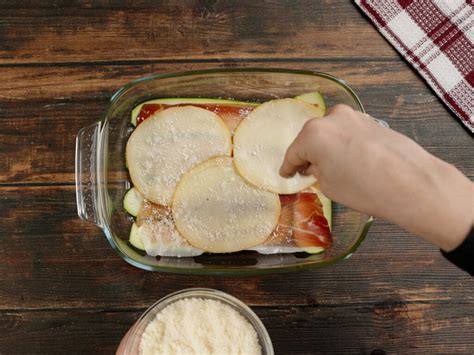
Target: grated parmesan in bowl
198,321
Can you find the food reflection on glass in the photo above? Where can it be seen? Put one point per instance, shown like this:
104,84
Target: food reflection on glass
205,176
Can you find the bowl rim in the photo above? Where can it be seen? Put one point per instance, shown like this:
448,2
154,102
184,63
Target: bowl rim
213,294
219,270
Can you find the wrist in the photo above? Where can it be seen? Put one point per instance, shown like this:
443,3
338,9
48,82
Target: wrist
429,198
459,195
445,212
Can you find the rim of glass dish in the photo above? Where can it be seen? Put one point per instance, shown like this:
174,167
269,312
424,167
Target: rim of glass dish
210,293
236,70
229,271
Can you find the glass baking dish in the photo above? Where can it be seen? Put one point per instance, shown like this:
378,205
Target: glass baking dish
102,178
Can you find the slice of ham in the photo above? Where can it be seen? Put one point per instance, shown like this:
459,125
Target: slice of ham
310,227
301,227
230,114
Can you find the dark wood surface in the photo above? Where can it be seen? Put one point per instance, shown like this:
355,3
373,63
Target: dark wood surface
64,290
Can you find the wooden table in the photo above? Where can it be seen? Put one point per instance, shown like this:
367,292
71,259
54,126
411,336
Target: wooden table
64,290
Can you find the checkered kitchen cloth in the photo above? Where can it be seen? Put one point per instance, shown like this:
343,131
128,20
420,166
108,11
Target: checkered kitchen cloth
436,37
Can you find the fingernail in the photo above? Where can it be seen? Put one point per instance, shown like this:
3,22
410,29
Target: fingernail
285,175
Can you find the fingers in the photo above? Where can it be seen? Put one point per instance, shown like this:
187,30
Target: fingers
313,170
304,170
310,169
295,158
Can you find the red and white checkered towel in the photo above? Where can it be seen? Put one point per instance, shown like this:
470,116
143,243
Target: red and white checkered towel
436,37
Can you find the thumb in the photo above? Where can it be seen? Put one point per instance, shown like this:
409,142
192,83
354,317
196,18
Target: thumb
295,158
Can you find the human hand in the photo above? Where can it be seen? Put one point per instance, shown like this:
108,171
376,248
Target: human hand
380,172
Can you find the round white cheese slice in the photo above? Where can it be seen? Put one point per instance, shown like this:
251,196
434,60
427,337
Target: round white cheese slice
163,147
261,141
214,209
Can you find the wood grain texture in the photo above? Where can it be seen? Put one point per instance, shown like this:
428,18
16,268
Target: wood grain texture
170,30
41,110
64,290
44,243
400,328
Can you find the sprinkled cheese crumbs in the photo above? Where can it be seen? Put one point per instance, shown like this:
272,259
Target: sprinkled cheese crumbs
158,232
199,326
216,210
258,156
165,146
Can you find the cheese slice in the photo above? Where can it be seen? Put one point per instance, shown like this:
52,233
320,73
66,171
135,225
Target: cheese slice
214,209
165,146
262,139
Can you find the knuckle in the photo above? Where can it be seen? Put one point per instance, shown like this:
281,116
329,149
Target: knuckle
317,127
310,125
343,110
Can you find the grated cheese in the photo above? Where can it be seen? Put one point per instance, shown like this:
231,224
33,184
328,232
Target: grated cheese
258,156
216,210
199,326
158,232
168,144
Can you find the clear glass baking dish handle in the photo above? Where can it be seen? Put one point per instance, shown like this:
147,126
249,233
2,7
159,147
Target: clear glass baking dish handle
86,173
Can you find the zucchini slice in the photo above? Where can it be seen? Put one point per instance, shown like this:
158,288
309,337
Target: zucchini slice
316,99
313,98
132,201
135,239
